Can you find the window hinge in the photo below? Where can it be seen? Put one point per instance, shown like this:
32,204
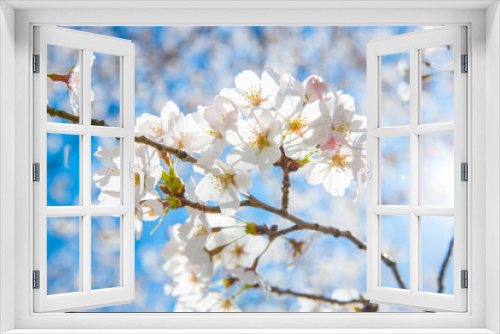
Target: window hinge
464,172
36,172
465,279
465,64
36,279
36,63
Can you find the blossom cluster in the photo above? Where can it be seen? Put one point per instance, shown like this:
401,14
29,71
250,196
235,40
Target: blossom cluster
249,128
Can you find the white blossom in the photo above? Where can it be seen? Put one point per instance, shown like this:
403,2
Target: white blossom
223,181
257,139
304,126
252,92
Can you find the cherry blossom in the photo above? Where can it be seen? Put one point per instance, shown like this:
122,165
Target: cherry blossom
312,89
346,126
253,92
257,139
304,126
223,181
333,169
299,249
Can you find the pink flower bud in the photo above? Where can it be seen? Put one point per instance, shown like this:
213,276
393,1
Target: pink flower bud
316,88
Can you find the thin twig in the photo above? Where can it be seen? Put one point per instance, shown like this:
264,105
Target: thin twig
318,298
444,266
142,140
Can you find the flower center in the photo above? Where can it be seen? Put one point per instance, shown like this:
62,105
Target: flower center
156,128
344,128
340,162
239,251
297,125
111,170
259,139
200,231
137,179
252,95
215,134
221,182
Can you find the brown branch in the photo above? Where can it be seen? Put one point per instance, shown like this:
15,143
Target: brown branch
182,155
318,298
72,118
444,266
283,164
142,140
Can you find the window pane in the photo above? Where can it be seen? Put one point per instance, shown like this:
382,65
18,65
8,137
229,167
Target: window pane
395,170
106,88
437,169
63,83
395,243
106,166
105,252
437,254
395,89
63,255
437,84
63,169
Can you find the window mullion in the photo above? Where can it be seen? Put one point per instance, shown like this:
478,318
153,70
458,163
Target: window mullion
414,171
86,170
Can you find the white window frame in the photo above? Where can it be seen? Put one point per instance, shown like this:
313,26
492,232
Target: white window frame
86,44
413,43
484,103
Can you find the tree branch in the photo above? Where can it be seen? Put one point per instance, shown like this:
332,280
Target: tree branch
283,163
318,298
444,266
184,156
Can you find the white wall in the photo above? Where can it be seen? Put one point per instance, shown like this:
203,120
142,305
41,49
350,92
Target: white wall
492,163
7,186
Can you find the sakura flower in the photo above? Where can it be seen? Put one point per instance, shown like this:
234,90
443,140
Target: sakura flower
334,170
299,249
223,115
154,127
188,285
346,126
312,89
111,159
304,126
243,252
217,302
186,134
147,159
257,139
215,143
253,92
223,181
247,276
